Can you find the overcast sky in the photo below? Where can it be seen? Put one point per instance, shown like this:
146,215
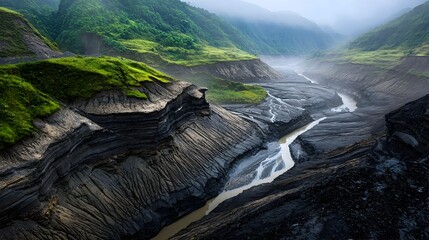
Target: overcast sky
348,17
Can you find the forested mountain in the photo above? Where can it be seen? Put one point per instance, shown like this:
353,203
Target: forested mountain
168,22
409,32
273,32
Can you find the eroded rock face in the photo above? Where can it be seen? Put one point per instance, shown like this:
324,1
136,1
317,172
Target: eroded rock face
408,130
114,167
239,71
242,71
374,189
377,92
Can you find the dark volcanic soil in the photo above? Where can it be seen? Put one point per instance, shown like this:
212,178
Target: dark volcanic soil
375,189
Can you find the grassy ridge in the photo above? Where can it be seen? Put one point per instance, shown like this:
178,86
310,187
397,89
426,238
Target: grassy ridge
13,27
227,92
31,90
188,57
383,59
67,79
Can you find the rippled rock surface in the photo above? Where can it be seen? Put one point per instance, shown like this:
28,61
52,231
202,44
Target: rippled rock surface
114,167
374,189
377,92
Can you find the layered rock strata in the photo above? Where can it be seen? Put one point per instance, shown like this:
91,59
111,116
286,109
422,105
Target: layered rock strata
112,167
253,70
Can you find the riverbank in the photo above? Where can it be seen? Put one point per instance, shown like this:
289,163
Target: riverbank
267,165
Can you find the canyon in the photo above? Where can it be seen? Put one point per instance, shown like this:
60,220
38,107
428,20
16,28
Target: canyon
208,140
349,169
118,167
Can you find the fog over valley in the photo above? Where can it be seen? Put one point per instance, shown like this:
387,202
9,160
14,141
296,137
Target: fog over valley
347,17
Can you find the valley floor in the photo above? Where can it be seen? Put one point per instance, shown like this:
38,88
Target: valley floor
344,161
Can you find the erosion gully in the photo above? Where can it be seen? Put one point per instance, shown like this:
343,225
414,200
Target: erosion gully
278,162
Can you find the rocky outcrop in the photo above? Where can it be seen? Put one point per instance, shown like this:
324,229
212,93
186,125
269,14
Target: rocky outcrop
112,167
241,71
408,130
374,189
253,70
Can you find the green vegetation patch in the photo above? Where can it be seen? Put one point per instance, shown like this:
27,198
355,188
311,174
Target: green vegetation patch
228,92
11,41
20,103
67,79
31,90
13,27
419,74
174,25
383,59
193,56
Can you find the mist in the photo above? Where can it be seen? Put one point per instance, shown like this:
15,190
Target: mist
252,12
348,17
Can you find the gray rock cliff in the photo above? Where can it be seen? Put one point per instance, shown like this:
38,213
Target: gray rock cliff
113,167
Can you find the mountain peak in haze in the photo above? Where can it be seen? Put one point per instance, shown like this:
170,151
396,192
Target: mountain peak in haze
251,12
284,32
409,32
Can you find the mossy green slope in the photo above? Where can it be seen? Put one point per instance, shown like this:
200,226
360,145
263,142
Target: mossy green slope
13,28
187,57
67,79
229,92
31,90
20,103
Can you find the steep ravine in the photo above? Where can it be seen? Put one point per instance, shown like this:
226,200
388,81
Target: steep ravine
285,114
114,167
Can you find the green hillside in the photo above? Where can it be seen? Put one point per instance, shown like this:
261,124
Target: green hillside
409,32
179,31
14,29
38,12
36,89
175,31
386,45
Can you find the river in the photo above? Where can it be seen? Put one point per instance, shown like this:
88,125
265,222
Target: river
268,170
